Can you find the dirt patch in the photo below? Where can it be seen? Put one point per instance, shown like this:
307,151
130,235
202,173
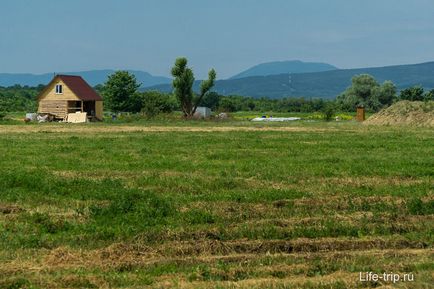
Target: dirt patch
327,281
342,202
214,247
123,252
358,182
63,255
92,129
373,181
412,113
127,257
77,281
10,209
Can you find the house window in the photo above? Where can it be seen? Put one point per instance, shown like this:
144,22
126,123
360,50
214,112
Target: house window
59,89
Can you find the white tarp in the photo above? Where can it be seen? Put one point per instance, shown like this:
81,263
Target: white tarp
31,116
42,118
275,118
203,111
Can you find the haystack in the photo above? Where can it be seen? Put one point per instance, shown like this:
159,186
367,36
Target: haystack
411,113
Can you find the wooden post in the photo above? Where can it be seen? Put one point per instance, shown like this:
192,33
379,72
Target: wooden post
360,114
81,106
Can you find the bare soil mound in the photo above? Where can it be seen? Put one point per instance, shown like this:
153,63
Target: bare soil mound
413,113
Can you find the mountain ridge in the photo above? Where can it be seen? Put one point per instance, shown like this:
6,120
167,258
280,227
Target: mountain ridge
281,67
324,84
93,77
327,84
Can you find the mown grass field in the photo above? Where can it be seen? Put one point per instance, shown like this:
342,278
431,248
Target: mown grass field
215,205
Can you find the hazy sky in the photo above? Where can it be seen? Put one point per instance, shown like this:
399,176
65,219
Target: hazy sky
229,35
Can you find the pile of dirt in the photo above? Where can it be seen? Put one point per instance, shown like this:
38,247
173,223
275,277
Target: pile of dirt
413,113
9,209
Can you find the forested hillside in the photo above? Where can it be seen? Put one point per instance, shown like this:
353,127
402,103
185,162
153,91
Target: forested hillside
326,84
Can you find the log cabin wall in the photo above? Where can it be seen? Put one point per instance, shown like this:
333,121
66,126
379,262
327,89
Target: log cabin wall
58,108
56,103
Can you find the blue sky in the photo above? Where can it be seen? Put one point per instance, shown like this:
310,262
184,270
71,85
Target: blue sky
229,35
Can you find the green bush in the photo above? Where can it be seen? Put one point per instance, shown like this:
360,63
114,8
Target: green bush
197,216
329,111
418,207
19,283
415,93
154,103
47,224
134,208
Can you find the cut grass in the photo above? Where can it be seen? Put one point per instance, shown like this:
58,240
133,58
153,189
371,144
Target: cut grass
213,205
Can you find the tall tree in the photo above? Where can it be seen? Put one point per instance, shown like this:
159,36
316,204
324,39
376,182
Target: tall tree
183,86
387,93
120,92
363,86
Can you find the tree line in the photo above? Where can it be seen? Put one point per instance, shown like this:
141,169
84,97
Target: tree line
364,91
121,94
18,98
367,92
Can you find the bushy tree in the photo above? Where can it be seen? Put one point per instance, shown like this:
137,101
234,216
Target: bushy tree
387,93
2,108
150,105
329,111
317,104
429,95
366,91
415,93
99,88
348,102
228,104
251,104
155,102
121,92
183,86
211,100
363,86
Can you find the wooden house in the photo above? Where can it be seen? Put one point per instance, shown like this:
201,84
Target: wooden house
68,94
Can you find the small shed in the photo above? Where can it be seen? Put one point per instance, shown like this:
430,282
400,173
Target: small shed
203,112
69,94
360,116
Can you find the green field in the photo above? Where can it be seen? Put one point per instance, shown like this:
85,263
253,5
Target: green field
232,204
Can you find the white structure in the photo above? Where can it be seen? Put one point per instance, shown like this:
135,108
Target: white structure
31,116
78,117
203,112
277,119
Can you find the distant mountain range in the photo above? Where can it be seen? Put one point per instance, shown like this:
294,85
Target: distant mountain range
300,79
326,84
93,77
280,67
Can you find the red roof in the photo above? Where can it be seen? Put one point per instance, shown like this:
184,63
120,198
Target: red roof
80,87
